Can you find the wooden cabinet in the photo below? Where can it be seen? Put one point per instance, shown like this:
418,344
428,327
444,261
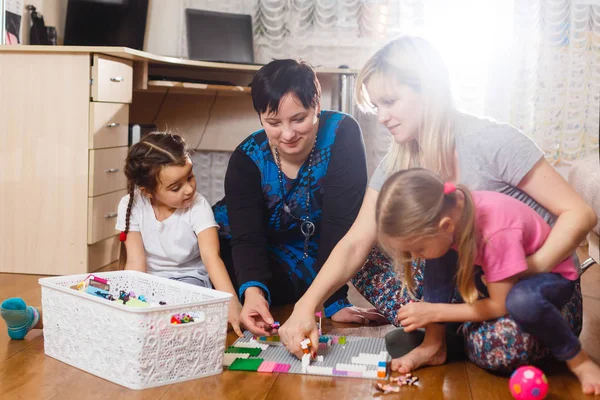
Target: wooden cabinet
64,140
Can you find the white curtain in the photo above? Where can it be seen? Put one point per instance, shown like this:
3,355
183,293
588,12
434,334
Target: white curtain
557,85
532,63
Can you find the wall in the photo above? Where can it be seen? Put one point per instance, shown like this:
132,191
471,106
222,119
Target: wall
54,13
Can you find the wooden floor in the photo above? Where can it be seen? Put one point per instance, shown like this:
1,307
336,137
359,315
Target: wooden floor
26,373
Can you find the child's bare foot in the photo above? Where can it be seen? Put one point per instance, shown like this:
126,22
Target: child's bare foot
431,352
423,355
587,371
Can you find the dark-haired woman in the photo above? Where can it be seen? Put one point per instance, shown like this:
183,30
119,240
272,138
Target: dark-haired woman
292,190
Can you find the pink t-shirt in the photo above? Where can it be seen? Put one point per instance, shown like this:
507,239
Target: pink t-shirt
508,232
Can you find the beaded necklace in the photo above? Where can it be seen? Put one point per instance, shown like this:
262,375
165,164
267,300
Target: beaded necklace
307,227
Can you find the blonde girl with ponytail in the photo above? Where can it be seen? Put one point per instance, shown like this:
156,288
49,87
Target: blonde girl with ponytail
420,216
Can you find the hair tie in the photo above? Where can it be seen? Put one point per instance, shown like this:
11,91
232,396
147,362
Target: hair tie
449,187
123,236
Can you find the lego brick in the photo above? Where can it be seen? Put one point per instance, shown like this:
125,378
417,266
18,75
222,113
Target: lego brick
370,374
342,340
339,373
248,364
351,367
229,358
282,368
305,363
251,345
253,352
267,366
316,370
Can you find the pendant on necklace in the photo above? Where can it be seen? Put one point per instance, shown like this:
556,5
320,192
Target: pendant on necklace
307,228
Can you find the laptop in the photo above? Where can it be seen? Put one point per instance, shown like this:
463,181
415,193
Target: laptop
219,37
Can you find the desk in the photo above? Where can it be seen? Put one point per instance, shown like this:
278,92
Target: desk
65,112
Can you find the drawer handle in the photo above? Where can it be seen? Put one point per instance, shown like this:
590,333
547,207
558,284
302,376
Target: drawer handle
111,215
117,79
113,125
112,170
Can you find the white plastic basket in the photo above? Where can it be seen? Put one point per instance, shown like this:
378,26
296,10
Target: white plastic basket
137,348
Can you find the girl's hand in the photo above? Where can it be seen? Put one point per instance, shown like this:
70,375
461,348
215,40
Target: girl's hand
417,315
233,317
299,326
359,315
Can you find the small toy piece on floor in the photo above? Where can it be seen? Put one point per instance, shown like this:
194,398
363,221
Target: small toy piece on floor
404,380
275,325
387,388
528,383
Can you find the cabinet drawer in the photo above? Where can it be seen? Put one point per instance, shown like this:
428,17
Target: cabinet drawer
103,253
109,125
106,170
102,216
112,79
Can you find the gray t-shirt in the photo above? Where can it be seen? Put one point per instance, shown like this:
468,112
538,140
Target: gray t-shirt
492,157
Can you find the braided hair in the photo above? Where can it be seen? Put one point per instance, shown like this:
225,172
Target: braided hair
144,162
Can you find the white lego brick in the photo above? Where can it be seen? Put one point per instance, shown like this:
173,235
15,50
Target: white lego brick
316,370
229,358
319,359
384,356
351,367
305,362
253,344
370,374
366,359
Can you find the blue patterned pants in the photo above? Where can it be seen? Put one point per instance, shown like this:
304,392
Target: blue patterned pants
498,345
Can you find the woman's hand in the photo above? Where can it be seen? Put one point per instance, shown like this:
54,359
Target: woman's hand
359,315
417,315
233,317
255,313
299,326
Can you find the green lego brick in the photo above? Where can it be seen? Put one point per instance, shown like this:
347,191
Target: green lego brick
248,364
252,352
342,340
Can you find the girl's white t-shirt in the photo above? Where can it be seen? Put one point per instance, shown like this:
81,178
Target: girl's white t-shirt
171,246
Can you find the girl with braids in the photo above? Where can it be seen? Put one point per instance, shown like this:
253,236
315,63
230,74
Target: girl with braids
167,229
420,217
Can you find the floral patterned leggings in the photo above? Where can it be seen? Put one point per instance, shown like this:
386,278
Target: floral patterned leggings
498,345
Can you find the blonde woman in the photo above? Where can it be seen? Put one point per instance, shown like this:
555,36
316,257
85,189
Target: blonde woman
406,83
